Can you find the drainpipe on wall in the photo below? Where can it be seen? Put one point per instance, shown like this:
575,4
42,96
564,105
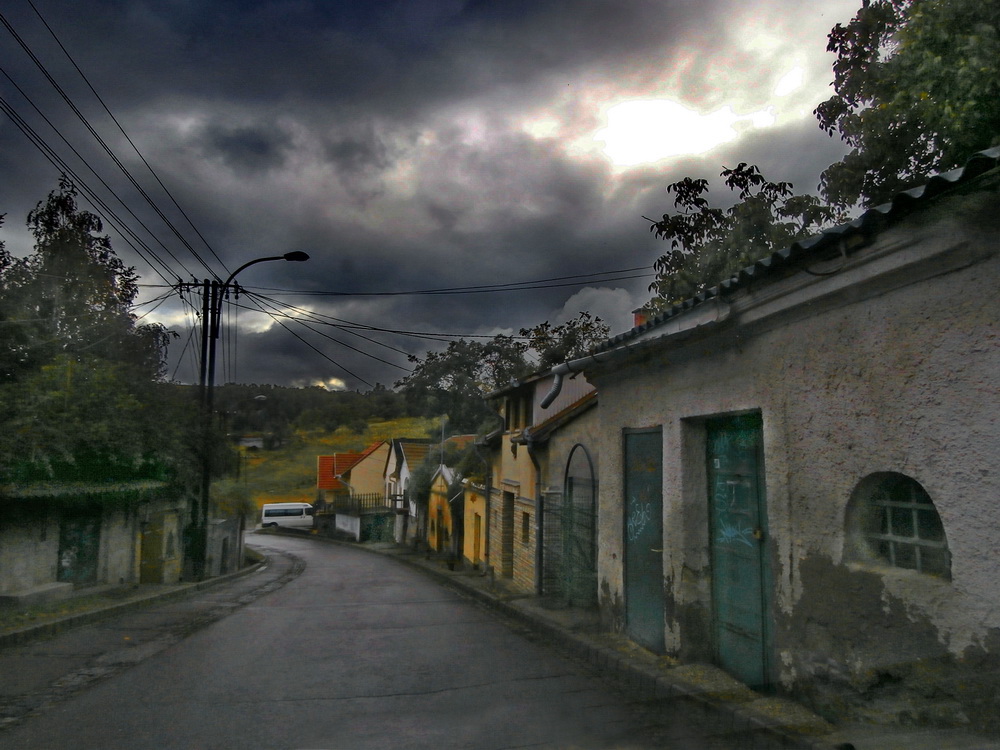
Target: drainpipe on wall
487,567
711,314
539,514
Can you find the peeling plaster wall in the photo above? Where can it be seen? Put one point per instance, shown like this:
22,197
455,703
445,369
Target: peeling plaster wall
892,364
29,547
583,430
117,556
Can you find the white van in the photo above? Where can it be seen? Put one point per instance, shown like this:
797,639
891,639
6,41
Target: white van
293,515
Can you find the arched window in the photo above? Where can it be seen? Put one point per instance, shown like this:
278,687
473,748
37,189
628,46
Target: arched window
892,521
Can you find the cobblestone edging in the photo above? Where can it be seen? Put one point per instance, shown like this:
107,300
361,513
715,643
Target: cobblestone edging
177,591
100,666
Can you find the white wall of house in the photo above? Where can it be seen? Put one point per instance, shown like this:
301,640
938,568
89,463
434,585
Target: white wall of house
890,364
349,524
29,546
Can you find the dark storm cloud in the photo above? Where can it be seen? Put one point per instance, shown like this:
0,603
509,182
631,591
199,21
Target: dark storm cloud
404,146
246,148
397,57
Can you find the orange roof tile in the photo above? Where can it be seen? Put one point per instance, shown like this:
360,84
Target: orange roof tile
328,468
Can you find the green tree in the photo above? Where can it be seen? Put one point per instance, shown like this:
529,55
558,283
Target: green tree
708,245
72,296
917,87
455,381
77,373
566,341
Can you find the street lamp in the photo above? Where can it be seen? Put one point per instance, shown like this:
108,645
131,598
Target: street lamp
214,293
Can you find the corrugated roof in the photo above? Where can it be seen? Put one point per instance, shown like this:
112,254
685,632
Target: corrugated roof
867,224
414,453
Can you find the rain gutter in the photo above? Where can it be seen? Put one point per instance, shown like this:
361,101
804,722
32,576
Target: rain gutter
707,315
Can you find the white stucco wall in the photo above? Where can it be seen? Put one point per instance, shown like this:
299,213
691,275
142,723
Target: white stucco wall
29,547
891,364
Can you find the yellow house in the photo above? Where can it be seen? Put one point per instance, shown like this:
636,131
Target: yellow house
526,495
441,522
367,476
474,538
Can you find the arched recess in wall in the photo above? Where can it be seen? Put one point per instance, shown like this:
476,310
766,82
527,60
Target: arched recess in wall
892,522
579,528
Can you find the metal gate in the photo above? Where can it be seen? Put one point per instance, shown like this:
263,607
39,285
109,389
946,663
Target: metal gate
570,535
738,540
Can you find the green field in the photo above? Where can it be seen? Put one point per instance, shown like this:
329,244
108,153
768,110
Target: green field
288,474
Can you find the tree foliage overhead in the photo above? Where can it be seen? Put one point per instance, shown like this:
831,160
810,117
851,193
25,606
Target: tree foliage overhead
454,381
552,345
708,245
917,87
917,91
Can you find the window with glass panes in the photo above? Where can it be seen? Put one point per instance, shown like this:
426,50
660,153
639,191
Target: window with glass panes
904,528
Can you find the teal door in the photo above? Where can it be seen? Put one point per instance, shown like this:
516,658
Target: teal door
738,543
644,538
79,544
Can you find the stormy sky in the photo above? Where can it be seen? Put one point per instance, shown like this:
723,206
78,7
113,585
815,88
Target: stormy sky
410,146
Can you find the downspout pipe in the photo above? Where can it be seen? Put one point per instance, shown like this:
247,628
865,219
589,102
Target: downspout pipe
487,550
559,372
539,513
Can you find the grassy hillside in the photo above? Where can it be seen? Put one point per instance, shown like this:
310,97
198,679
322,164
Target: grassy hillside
289,473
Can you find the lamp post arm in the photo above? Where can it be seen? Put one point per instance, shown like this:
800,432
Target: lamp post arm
249,263
224,287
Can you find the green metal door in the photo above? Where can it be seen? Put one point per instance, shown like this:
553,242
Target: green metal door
738,542
644,538
79,544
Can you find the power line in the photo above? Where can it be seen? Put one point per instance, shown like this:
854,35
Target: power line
341,324
180,357
127,138
69,102
322,354
352,348
96,202
11,112
347,326
515,286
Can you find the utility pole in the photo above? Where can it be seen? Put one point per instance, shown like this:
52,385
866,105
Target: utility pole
213,295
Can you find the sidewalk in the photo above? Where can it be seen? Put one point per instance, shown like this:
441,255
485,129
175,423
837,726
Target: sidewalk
45,620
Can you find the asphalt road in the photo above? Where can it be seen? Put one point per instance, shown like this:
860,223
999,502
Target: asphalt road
358,651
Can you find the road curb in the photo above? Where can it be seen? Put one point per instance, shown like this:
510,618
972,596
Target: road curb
53,627
744,720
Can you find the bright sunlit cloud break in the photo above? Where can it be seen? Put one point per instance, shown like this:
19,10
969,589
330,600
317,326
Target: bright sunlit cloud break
646,130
